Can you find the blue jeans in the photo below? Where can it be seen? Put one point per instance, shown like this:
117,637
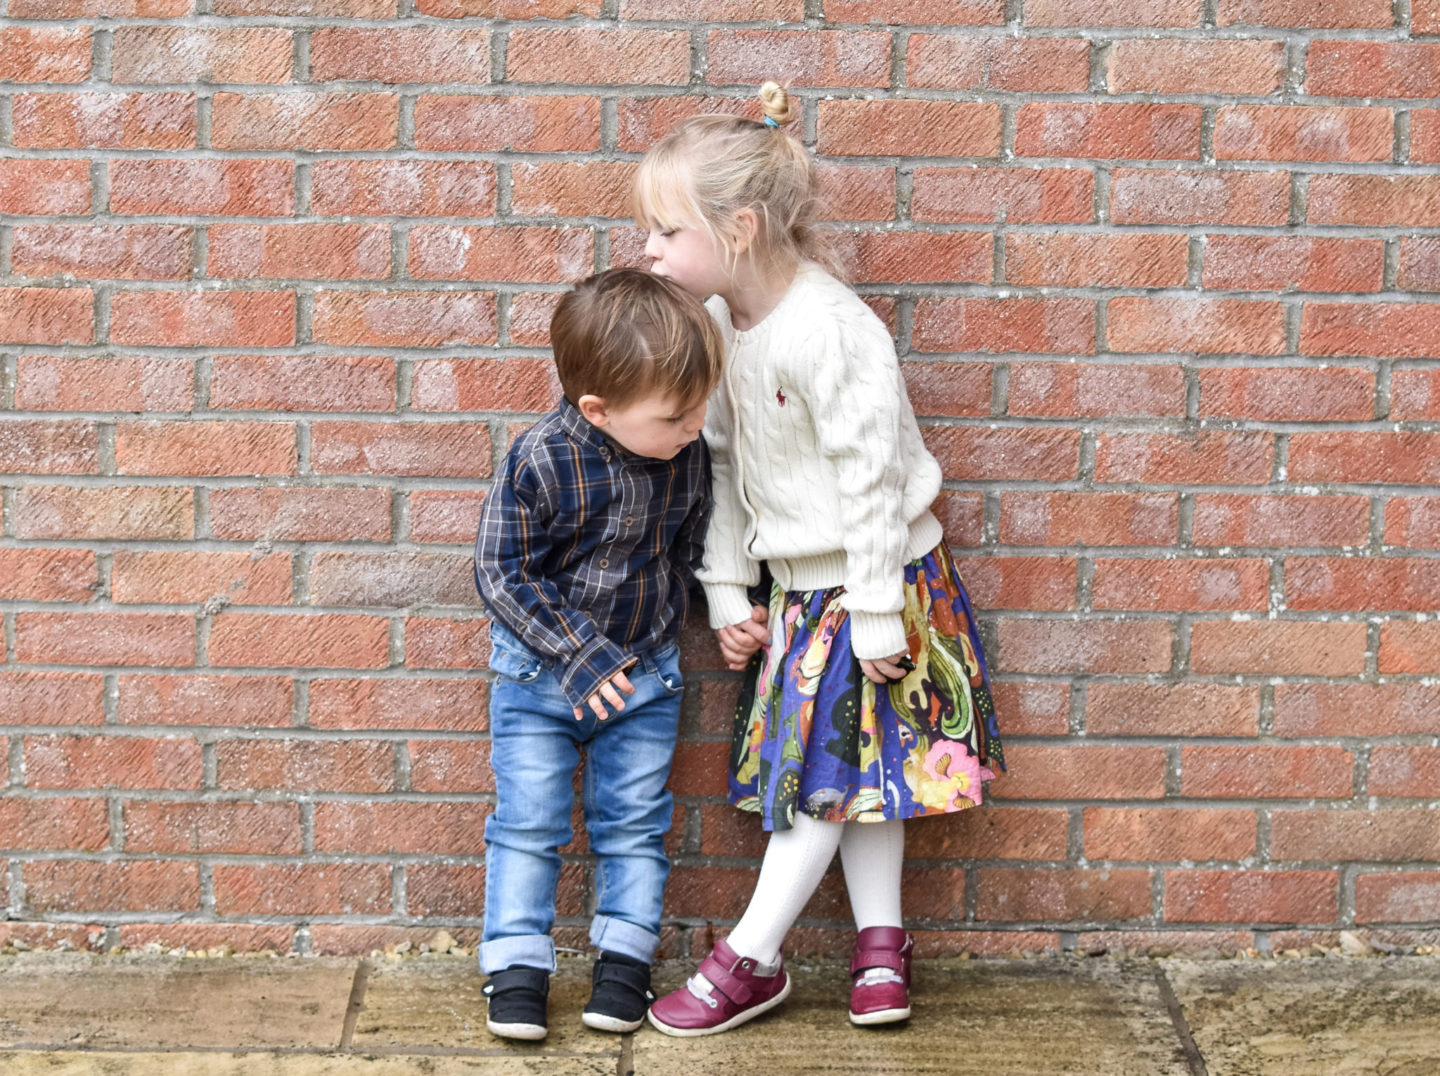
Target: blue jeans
535,745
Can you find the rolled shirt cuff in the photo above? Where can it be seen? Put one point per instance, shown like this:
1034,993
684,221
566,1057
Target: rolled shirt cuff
595,663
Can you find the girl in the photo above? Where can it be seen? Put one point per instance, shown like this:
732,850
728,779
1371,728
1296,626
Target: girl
869,703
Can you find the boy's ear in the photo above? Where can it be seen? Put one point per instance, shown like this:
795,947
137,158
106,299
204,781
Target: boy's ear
592,409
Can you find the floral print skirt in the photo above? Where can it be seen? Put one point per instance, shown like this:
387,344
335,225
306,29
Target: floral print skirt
814,734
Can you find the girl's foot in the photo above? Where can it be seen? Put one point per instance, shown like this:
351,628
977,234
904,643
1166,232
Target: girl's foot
724,993
880,970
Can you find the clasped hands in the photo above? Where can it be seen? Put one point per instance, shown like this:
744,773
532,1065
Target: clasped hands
739,641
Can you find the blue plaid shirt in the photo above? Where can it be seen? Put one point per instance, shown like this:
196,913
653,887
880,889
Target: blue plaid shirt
586,551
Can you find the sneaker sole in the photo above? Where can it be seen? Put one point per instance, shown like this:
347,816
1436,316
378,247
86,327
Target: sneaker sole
884,1016
734,1021
601,1022
527,1032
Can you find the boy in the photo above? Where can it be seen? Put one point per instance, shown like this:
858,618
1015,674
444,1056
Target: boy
584,557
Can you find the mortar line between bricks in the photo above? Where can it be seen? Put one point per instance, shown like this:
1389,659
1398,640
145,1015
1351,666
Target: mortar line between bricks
356,1003
1193,1057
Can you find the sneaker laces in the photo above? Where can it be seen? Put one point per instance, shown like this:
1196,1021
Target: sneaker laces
877,976
701,987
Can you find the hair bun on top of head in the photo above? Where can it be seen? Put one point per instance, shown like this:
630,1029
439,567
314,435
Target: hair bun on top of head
779,109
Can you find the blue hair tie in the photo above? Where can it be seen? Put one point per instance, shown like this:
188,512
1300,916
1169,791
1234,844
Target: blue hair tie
770,122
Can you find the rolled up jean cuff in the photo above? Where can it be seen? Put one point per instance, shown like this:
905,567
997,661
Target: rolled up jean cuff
532,950
624,938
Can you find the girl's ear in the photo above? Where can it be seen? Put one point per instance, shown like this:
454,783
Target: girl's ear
747,227
593,410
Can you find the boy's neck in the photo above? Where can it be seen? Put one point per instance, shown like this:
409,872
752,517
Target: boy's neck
753,295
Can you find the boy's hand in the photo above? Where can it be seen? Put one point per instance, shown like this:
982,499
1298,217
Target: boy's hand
739,641
607,692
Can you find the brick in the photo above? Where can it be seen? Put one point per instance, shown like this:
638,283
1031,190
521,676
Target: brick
79,9
205,699
699,769
645,120
1403,896
301,515
1266,771
1168,834
1288,394
1292,263
113,512
1372,69
1277,648
227,827
1016,894
445,890
193,576
1409,584
1020,582
1424,16
186,54
316,121
1070,389
51,698
48,575
329,640
105,638
1326,836
530,312
406,828
103,121
399,56
212,187
1075,129
1206,457
303,383
571,188
203,319
1021,65
447,705
451,450
1116,13
918,257
598,56
1196,66
314,251
1155,584
1407,201
706,10
446,643
1413,522
512,384
1018,195
1154,197
1251,896
974,453
948,388
445,252
45,446
1409,648
450,766
353,9
447,516
848,58
44,54
1238,519
306,765
728,832
1003,832
1425,134
855,192
1106,261
1401,458
1171,710
138,252
902,128
405,318
44,188
1094,519
130,762
205,448
392,578
47,316
1001,325
710,892
55,823
926,12
1307,14
195,937
1207,326
523,124
87,886
403,188
1097,646
1402,330
1303,133
1419,267
303,889
336,940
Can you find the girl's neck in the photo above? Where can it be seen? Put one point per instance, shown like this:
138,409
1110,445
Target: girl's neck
751,296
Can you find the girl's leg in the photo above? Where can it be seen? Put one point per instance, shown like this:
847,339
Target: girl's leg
871,854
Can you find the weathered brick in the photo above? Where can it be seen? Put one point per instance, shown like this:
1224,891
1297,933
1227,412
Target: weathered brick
193,576
1155,197
1095,519
976,453
187,54
123,886
1403,330
1344,583
196,937
1286,263
1288,394
57,383
54,823
1113,261
115,512
1096,645
1078,129
1170,710
599,56
306,765
1424,16
848,58
446,252
1277,648
1020,582
1181,584
212,187
412,448
130,762
392,579
1227,66
948,388
205,699
571,188
330,640
885,128
1114,13
1019,195
1251,896
450,766
1405,896
352,9
1208,326
1068,389
1307,14
644,120
105,638
103,121
999,325
80,9
47,316
1168,834
303,889
447,516
1410,201
513,384
403,188
441,889
454,705
1028,833
1409,648
48,575
44,188
45,446
1021,65
301,515
303,383
44,53
1303,133
1237,519
1206,456
406,828
1419,267
1327,836
51,698
925,12
314,251
446,643
918,257
704,10
1266,771
1425,134
304,121
227,827
203,319
1413,522
523,124
136,252
1373,69
398,56
205,448
405,318
1365,456
530,312
1015,894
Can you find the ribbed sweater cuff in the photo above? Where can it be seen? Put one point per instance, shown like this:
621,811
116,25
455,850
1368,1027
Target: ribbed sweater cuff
876,635
729,604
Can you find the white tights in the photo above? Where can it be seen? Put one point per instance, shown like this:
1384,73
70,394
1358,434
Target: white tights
871,854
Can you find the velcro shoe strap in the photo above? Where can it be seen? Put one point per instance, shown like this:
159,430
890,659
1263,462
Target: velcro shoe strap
637,978
724,981
878,958
518,978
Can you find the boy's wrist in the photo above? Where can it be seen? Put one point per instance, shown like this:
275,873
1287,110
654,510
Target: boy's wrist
592,666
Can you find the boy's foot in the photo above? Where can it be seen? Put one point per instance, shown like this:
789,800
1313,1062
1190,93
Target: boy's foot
619,993
517,1001
880,970
724,993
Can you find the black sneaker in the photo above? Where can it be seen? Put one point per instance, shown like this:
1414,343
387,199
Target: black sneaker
517,998
619,995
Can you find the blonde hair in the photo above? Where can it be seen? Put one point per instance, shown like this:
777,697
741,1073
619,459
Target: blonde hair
710,167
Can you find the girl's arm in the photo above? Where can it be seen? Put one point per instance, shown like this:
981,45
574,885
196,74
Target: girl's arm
728,568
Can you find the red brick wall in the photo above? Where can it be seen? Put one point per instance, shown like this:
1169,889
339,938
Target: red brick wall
273,297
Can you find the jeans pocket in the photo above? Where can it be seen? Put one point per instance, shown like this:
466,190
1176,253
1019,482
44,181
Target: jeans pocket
667,671
512,659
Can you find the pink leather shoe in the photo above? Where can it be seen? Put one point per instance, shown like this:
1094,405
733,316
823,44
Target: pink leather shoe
734,994
881,973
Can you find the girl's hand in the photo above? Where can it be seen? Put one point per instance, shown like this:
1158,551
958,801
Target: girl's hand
739,641
883,670
607,692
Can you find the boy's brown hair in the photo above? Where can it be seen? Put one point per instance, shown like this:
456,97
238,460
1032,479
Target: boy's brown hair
626,333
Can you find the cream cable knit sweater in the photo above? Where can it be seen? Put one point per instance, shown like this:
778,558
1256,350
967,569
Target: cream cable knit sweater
818,463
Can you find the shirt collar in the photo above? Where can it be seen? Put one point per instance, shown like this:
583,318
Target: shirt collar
573,423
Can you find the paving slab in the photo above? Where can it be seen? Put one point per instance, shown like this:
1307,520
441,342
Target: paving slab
99,1063
1003,1018
1326,1017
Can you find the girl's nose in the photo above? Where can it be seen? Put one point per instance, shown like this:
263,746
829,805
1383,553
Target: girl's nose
652,247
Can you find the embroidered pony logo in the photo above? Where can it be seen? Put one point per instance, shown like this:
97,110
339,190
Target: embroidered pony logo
780,395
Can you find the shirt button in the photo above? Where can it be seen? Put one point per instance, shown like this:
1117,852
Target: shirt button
604,563
629,521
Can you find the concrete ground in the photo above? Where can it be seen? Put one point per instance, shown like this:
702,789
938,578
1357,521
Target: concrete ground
72,1014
